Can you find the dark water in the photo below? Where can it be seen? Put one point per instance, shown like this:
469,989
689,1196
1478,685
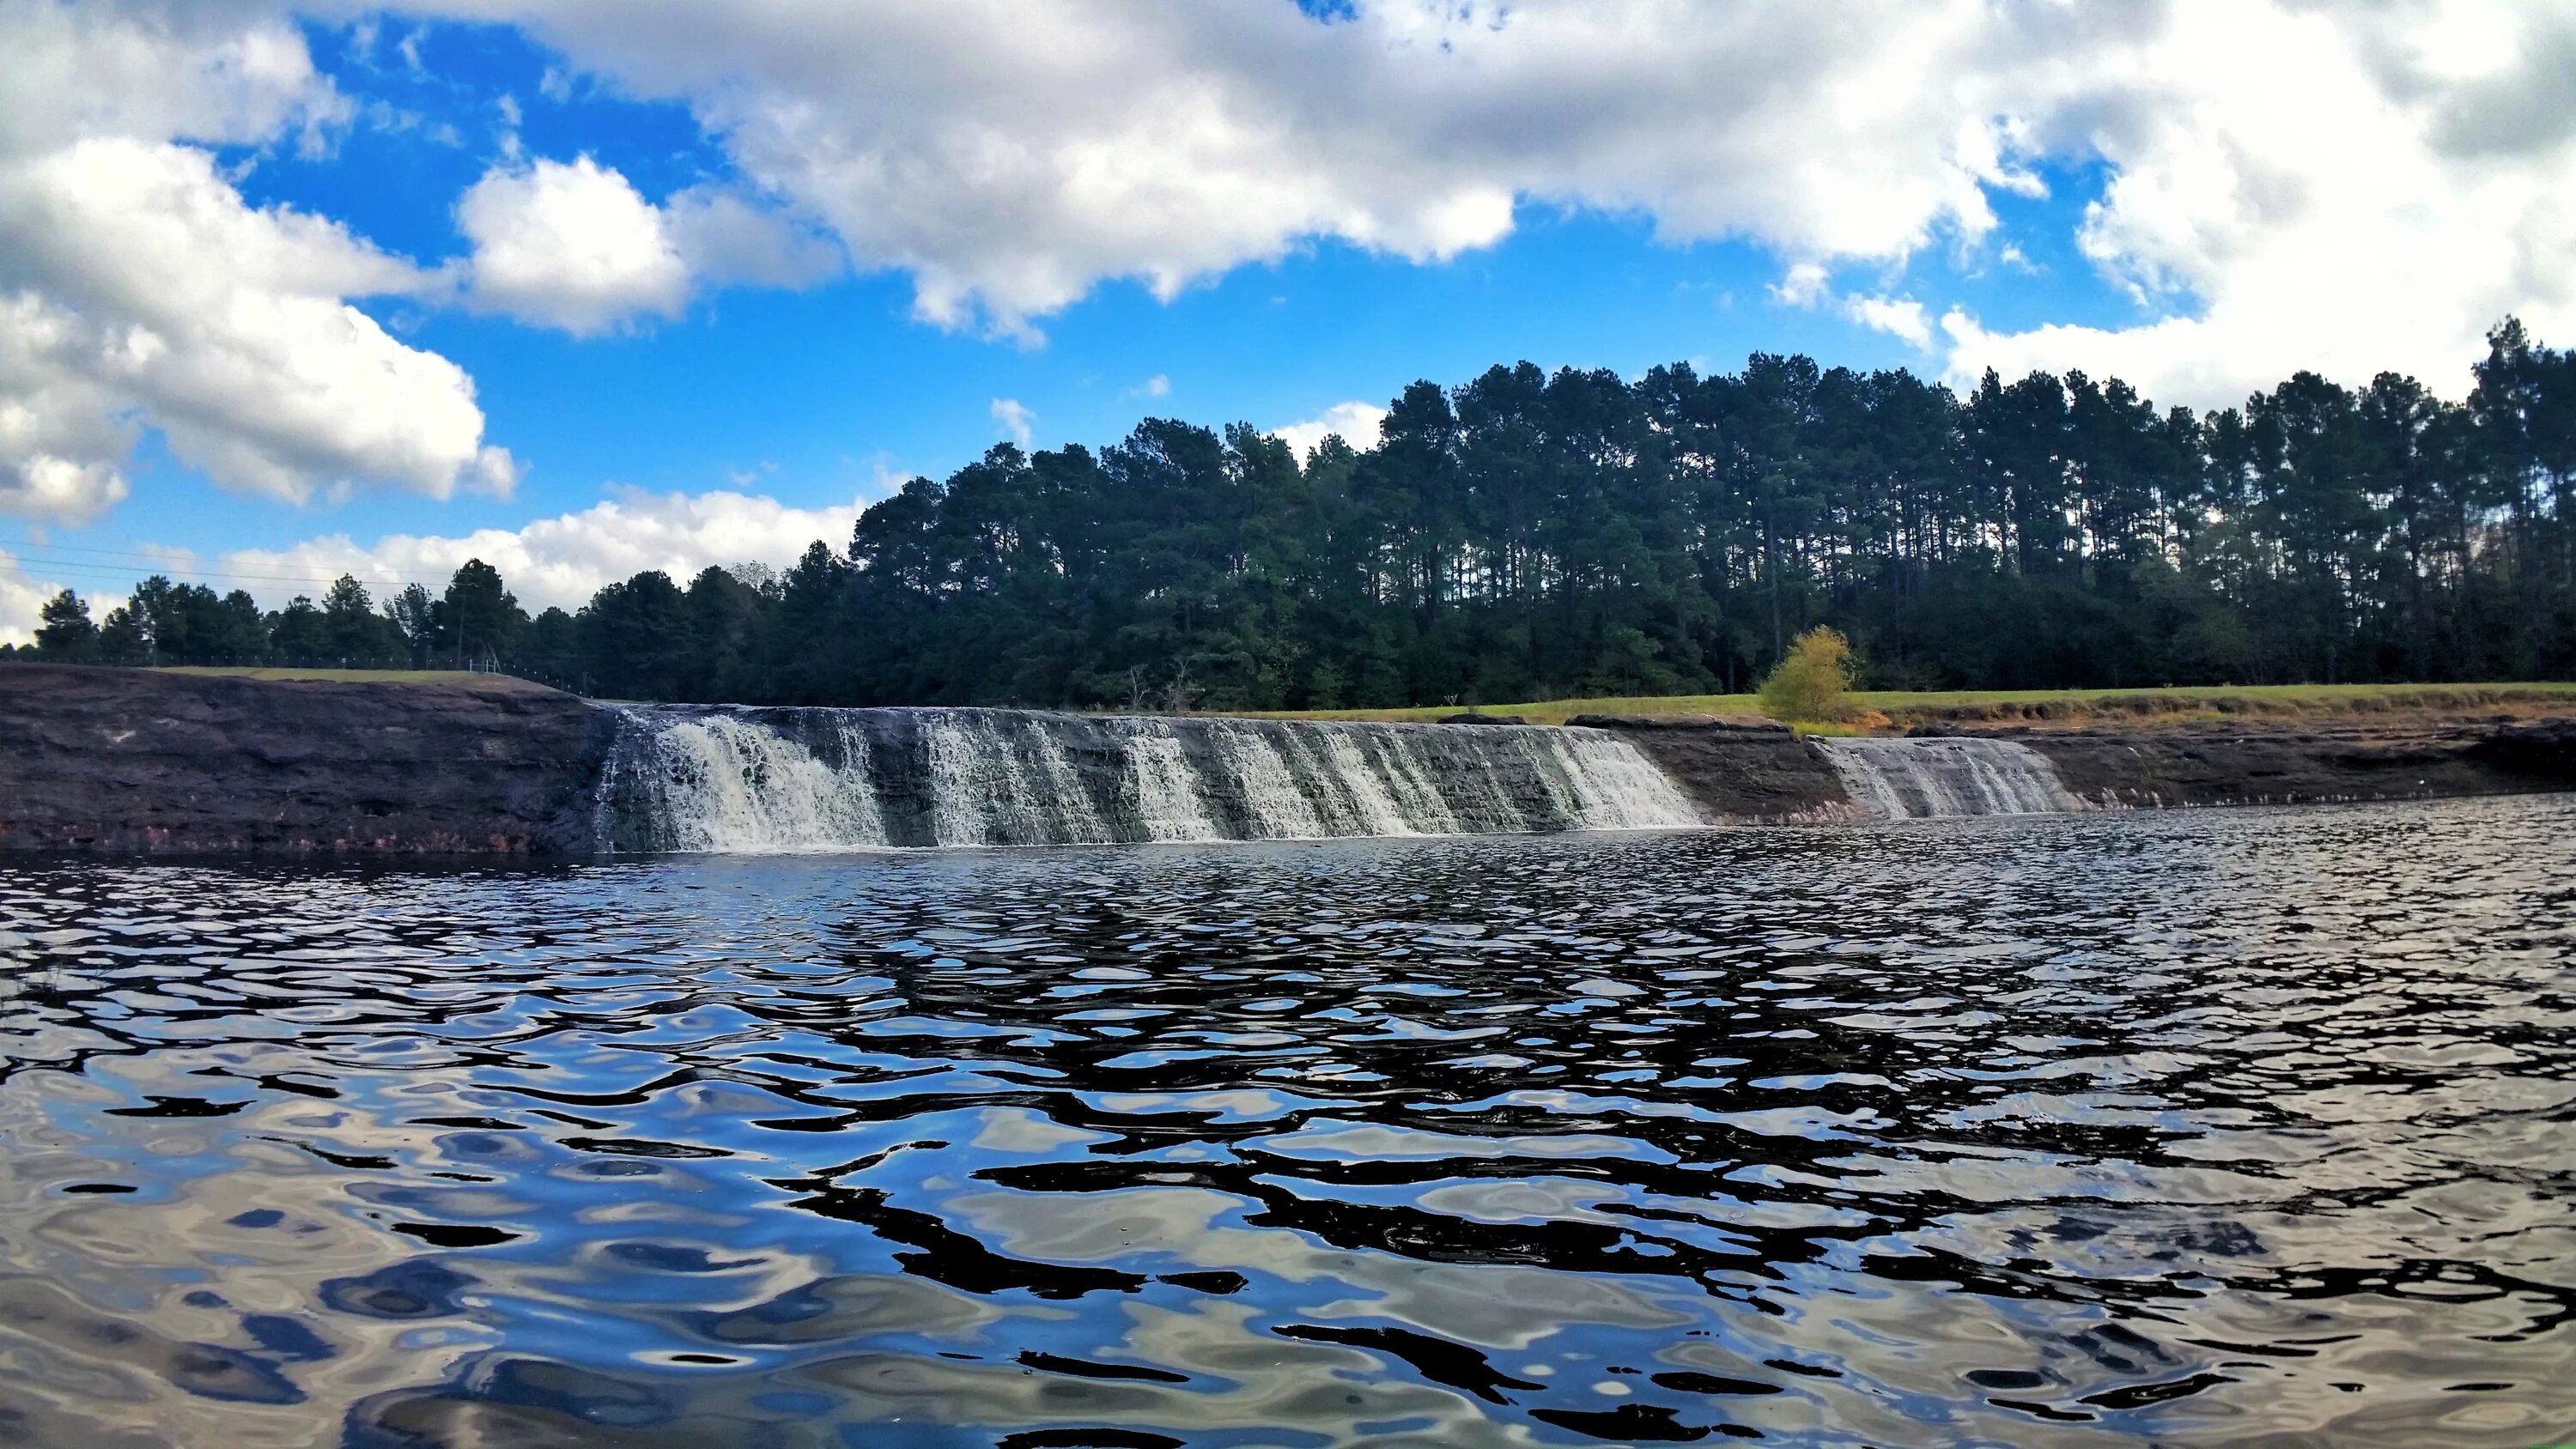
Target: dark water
2201,1128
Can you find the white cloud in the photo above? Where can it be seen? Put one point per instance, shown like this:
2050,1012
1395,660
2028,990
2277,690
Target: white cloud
2347,186
571,246
576,246
21,595
139,290
2289,185
561,561
1803,285
1010,158
1897,316
1015,419
1159,385
1356,422
727,238
2341,191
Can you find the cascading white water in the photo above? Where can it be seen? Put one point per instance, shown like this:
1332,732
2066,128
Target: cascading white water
1165,794
1080,821
1417,799
685,777
1909,779
1615,787
730,786
1341,767
1278,806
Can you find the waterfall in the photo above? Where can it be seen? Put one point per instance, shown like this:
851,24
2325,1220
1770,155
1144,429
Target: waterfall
723,784
1905,779
1166,798
723,778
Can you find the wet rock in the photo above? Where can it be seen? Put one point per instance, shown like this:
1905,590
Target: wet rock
2248,765
1734,770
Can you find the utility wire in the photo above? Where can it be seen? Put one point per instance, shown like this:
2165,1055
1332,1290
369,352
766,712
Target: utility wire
42,564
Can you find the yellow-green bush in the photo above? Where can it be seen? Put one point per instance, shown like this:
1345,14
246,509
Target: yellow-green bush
1813,684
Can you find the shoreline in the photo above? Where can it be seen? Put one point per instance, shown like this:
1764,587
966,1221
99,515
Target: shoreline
182,763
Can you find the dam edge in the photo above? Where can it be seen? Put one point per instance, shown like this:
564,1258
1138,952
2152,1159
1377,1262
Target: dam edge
126,761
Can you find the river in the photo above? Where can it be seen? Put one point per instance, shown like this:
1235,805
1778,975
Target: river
2247,1127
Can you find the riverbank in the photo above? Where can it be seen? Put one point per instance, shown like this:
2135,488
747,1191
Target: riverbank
175,762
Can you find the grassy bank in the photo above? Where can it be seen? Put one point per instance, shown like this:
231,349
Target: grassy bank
2061,706
1881,709
356,676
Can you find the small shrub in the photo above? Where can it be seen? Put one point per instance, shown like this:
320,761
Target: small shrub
1813,684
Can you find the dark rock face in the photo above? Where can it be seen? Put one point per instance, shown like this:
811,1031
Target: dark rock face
1749,729
137,760
2310,765
1748,773
2543,751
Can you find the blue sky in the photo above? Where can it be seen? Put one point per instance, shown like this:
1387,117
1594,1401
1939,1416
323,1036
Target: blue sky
1345,217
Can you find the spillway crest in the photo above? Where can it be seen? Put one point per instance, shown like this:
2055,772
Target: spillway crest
766,780
1912,779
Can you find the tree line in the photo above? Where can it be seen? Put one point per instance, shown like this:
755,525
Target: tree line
1528,535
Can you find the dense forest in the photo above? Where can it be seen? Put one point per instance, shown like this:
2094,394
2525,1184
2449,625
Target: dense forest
1528,536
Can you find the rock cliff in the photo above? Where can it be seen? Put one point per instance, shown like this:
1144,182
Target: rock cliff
162,762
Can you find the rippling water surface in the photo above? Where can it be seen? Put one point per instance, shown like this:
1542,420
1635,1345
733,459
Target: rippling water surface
2197,1128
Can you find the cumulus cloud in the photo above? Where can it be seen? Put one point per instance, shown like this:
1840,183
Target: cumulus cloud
558,561
1011,158
2304,192
1356,423
22,594
2290,184
1897,316
2286,184
138,289
571,246
1014,418
561,561
1158,385
575,246
1803,285
726,237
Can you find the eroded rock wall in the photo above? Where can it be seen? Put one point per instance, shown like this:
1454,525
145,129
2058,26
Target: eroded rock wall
2307,766
1757,774
139,760
1742,773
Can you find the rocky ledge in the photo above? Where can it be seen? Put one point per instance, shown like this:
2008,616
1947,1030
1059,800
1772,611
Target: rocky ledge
2308,764
162,762
1764,774
1735,770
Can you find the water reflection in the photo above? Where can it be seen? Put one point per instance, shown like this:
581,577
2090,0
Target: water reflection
2203,1128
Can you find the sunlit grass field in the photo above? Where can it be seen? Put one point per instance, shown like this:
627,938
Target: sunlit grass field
1876,709
2071,705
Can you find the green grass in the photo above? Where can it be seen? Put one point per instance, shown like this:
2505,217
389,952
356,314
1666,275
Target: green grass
1969,705
1899,708
357,676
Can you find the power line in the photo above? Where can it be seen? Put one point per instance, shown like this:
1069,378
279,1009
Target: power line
54,565
83,548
